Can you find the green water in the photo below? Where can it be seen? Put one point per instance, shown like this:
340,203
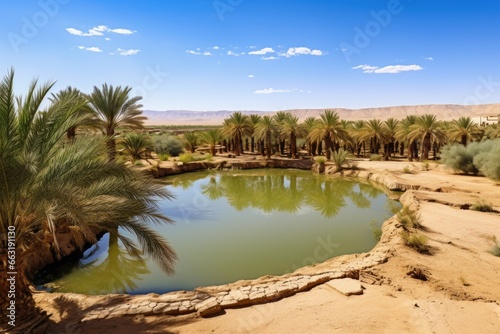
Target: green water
240,225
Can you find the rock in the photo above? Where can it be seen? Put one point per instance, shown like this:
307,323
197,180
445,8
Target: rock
208,307
346,286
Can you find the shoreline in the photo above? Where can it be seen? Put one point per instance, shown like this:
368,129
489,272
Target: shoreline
246,295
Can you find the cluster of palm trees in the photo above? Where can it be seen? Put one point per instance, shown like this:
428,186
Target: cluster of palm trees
416,136
53,179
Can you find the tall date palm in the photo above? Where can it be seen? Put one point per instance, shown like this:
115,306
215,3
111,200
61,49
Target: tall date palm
113,107
47,184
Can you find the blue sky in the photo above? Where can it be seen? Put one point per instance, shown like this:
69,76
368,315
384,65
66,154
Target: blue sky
260,54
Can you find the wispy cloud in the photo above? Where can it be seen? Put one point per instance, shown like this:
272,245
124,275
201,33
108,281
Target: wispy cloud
269,58
91,49
234,54
198,52
99,31
129,52
297,51
390,69
251,76
277,91
429,58
262,51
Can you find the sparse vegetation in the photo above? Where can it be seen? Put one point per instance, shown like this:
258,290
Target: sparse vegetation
482,206
165,144
375,157
320,160
495,250
416,241
463,281
409,219
425,165
164,157
407,170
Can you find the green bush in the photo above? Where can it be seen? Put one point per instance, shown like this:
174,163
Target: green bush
459,158
407,170
163,157
482,206
408,218
476,157
416,241
320,160
170,145
375,157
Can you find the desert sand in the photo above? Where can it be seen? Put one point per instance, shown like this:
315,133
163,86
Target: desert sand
457,291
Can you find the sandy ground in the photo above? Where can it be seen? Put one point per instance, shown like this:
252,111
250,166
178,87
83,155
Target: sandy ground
461,293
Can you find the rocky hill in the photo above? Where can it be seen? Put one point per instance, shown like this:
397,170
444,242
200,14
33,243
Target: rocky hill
442,111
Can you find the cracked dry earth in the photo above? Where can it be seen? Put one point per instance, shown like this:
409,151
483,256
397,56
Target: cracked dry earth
454,289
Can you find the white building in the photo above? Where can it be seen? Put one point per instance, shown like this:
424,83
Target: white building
485,120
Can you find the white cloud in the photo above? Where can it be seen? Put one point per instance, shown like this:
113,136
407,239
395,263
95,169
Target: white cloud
274,91
429,58
301,51
216,47
262,51
91,49
99,31
129,52
391,69
193,52
206,53
234,54
251,76
252,47
107,38
269,58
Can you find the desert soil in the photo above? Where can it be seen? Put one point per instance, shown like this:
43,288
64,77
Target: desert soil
457,291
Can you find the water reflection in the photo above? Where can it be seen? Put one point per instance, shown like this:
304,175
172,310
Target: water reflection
96,273
287,193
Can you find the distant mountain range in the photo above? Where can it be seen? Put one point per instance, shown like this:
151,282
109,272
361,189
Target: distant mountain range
442,111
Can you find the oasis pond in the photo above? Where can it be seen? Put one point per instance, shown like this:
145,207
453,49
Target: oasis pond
235,225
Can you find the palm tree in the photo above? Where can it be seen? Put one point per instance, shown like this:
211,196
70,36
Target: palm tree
88,119
391,124
291,128
136,146
46,185
279,118
211,137
329,128
114,108
264,131
308,124
402,135
190,141
254,120
463,130
376,133
357,133
428,130
237,126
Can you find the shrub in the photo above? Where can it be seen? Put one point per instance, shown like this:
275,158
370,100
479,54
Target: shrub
163,157
136,146
340,158
407,170
459,158
186,157
495,250
425,165
476,157
416,241
320,160
208,157
408,218
482,206
375,157
170,145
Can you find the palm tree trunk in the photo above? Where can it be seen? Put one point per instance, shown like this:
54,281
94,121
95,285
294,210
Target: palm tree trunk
464,140
213,151
19,311
293,145
252,144
328,147
268,146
